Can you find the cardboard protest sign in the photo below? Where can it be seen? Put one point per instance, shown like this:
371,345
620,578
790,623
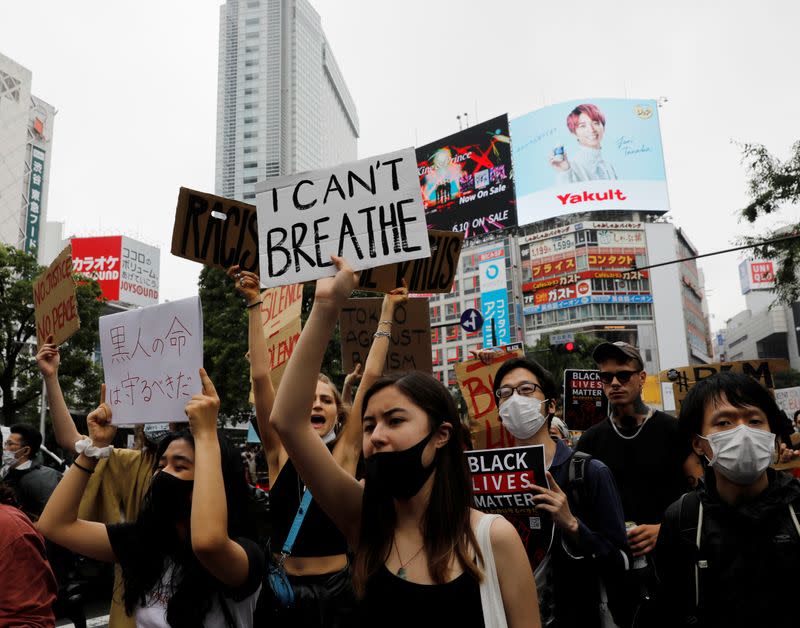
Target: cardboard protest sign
788,400
687,376
151,358
475,379
369,212
215,231
584,401
502,478
431,275
55,302
280,318
410,346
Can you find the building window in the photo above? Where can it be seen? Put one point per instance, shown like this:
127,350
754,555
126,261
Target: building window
251,49
248,196
253,4
251,105
250,135
251,91
435,335
250,63
252,21
250,149
251,77
250,120
247,180
251,164
251,35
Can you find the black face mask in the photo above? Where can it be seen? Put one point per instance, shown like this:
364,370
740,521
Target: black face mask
171,497
400,473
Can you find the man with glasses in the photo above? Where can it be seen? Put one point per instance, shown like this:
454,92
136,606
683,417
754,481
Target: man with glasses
32,482
581,536
643,449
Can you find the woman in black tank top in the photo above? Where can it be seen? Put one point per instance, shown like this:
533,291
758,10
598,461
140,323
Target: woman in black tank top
318,566
410,523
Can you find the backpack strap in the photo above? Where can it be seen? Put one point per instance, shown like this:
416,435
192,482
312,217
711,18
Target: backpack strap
691,531
575,484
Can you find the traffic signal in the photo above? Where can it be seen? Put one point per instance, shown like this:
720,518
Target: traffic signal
565,347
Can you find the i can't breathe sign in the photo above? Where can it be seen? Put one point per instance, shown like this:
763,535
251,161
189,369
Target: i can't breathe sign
369,212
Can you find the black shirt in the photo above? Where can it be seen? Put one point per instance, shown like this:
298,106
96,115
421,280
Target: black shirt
392,601
648,467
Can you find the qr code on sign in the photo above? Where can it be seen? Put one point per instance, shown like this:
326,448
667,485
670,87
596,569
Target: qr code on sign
535,523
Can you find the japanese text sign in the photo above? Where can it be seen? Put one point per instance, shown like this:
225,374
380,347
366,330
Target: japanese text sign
55,302
410,342
432,275
151,358
369,212
502,479
215,231
475,379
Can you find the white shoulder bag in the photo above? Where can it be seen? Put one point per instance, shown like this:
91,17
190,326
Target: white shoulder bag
494,614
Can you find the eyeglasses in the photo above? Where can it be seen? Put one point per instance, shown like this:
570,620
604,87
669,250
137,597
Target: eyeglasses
623,377
526,389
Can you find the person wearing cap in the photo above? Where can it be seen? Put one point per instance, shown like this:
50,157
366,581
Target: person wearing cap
643,448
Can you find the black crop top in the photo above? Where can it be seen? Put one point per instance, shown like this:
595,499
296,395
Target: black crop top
318,535
392,601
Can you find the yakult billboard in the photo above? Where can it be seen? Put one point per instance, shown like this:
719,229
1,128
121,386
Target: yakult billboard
127,270
585,155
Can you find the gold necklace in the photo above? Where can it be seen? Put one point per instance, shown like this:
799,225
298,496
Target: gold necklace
401,573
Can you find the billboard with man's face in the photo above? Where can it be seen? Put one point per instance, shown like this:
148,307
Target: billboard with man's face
584,155
466,180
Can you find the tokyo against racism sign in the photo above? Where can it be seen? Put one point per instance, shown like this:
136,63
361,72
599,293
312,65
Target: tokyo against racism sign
151,359
369,212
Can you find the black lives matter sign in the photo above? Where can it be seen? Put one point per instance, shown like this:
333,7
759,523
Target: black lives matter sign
369,212
502,479
584,402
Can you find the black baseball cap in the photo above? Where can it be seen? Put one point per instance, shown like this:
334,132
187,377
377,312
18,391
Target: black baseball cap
619,351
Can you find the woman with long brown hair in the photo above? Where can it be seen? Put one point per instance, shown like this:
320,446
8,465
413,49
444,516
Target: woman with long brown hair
418,555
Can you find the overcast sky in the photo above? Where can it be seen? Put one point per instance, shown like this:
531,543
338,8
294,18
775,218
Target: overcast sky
135,87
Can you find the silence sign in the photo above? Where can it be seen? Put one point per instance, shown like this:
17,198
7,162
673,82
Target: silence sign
55,302
369,212
410,342
215,231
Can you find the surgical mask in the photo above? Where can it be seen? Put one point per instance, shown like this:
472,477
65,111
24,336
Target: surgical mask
741,454
330,436
9,457
400,473
171,497
522,416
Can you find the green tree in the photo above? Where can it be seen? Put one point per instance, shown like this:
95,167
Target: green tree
773,184
557,362
20,382
787,379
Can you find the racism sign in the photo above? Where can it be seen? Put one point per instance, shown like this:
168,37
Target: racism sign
369,212
584,401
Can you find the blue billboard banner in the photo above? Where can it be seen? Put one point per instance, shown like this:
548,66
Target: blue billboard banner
584,155
596,298
494,296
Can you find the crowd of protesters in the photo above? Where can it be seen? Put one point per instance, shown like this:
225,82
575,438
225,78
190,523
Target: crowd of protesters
653,520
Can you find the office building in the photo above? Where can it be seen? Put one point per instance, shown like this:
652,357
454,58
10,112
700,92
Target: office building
26,135
282,103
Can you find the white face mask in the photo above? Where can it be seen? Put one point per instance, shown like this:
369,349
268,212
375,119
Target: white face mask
741,454
522,416
9,457
330,436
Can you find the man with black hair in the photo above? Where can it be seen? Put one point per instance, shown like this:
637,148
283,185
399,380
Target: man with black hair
582,536
728,552
32,482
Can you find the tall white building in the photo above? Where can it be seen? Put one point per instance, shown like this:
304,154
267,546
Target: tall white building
282,104
26,132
